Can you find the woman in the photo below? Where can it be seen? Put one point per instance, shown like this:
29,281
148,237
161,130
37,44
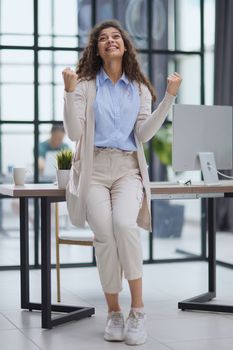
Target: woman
107,111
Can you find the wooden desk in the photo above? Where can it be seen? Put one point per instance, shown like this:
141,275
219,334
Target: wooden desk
165,190
49,193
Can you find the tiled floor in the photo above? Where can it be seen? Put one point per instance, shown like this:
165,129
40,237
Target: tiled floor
164,286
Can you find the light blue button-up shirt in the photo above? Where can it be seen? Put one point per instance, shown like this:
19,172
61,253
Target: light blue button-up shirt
115,108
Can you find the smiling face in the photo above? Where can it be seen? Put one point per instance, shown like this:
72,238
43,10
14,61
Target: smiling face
110,44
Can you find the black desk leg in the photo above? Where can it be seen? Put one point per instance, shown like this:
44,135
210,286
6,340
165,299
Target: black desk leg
24,253
200,302
67,312
45,263
212,246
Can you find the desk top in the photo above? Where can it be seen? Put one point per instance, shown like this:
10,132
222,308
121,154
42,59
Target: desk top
32,190
51,190
224,186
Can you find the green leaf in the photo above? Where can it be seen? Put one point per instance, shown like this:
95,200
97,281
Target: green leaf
64,159
162,144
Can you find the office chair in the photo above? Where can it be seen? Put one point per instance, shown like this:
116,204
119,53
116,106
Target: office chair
82,241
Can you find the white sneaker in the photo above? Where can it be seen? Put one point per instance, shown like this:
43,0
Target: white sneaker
135,328
115,327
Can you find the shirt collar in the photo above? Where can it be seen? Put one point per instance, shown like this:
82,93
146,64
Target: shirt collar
102,77
124,78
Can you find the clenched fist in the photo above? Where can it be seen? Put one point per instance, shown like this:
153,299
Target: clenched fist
173,83
70,79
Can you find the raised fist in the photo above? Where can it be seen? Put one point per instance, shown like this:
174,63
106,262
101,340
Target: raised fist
70,79
173,83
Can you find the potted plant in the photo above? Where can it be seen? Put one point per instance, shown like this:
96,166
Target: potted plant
64,162
167,218
162,144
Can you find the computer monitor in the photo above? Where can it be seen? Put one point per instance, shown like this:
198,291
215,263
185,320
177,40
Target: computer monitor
202,129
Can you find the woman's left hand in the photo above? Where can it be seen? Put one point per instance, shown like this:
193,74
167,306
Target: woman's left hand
173,83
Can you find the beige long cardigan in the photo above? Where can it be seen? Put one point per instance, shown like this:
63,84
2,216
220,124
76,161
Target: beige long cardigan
79,124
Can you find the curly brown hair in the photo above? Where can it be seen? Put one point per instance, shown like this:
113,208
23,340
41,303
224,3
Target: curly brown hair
90,64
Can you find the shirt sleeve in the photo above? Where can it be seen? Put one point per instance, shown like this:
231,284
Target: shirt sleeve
42,149
74,111
148,123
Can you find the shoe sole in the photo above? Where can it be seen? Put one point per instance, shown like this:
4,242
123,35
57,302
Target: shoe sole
139,342
109,337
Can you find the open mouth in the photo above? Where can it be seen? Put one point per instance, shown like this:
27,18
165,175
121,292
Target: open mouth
111,48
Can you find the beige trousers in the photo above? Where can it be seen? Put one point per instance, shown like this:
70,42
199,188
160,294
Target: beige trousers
113,202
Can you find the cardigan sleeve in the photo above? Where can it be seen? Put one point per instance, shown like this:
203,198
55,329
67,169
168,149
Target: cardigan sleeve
148,123
75,111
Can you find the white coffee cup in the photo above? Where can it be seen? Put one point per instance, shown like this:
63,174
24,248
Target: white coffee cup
19,175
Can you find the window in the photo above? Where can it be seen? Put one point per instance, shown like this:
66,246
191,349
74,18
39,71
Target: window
51,36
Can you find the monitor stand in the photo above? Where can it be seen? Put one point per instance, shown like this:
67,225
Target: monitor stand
208,167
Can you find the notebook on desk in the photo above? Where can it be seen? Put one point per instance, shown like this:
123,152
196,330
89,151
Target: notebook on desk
50,164
177,183
193,183
225,183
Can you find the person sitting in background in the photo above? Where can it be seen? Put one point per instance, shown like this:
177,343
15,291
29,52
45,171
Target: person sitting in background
54,143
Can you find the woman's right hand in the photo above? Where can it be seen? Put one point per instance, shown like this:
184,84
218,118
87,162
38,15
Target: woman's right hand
70,79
